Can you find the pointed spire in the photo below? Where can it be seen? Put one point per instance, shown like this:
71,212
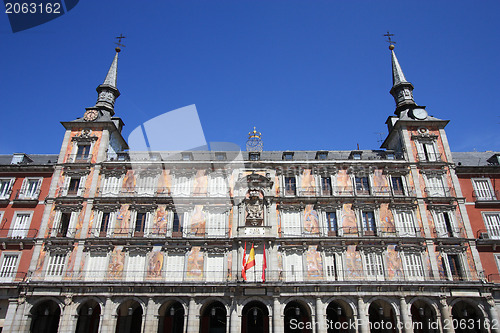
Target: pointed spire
401,89
108,92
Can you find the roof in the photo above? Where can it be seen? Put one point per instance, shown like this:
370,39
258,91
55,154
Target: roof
475,158
32,159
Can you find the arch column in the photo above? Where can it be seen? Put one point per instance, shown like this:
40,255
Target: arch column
494,321
320,316
234,317
192,322
362,322
277,319
446,320
405,316
67,320
108,321
150,319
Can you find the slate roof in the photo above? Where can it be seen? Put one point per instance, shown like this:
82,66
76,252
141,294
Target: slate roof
475,158
36,159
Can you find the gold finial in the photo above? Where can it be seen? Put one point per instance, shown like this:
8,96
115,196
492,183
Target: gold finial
254,134
390,41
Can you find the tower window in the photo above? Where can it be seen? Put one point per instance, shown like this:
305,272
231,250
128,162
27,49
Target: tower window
288,156
220,156
254,156
187,156
321,155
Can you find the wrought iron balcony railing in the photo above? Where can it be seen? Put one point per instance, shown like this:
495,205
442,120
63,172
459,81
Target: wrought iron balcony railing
27,194
78,158
486,195
18,233
439,192
314,231
348,191
429,157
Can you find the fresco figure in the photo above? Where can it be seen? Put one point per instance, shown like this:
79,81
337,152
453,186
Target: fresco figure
311,220
195,264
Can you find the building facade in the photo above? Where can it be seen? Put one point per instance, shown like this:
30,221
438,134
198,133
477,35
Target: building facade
343,241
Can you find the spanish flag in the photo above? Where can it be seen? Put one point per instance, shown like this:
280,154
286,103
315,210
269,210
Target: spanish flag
243,270
251,259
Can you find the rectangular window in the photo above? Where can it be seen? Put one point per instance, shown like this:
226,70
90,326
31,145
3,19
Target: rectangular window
406,225
453,267
62,231
215,268
492,223
177,225
21,225
146,185
293,267
187,156
288,156
397,185
435,187
216,224
254,156
105,224
483,190
326,186
96,266
74,185
136,266
175,267
55,266
444,224
220,156
427,152
30,188
6,187
183,186
9,267
218,186
82,153
362,185
111,185
331,222
290,186
374,267
413,266
330,267
368,223
321,155
140,224
290,224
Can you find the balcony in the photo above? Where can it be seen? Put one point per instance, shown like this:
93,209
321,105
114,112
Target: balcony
62,232
450,233
13,277
339,191
440,192
18,233
193,232
429,157
486,198
78,158
162,192
350,232
26,197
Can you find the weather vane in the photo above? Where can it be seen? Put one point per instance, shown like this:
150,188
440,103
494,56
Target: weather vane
389,40
120,40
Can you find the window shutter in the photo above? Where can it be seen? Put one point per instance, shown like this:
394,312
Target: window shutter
406,225
215,267
291,223
96,268
330,267
56,223
293,267
413,263
135,267
55,266
9,265
21,225
81,186
441,229
175,267
65,186
483,189
492,222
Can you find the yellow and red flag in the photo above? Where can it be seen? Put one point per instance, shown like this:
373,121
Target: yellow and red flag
243,269
251,259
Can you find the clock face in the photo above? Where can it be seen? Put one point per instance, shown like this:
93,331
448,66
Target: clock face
91,115
420,114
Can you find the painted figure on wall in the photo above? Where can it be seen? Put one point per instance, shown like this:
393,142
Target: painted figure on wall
39,264
200,183
311,220
344,185
380,184
71,263
394,265
116,263
155,264
198,221
386,219
160,221
308,185
441,269
164,183
349,220
314,264
195,264
129,181
122,221
353,263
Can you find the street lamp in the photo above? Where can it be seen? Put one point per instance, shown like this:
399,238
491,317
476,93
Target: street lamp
90,311
297,311
339,311
421,312
381,311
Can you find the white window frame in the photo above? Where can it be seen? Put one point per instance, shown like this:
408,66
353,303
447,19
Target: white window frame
217,185
174,275
34,193
488,196
56,272
377,272
71,225
295,227
361,225
296,274
493,231
370,184
99,275
111,185
8,274
337,260
98,215
146,184
413,266
183,185
422,156
67,182
136,275
434,190
464,270
404,182
216,224
147,222
405,228
74,151
440,224
15,230
211,274
7,191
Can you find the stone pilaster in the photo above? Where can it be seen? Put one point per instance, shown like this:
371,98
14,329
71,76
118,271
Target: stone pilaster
362,320
405,317
446,320
320,316
277,320
192,324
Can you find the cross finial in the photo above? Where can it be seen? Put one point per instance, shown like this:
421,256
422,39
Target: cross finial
389,40
120,40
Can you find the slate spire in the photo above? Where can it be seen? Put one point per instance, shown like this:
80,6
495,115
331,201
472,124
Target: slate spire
401,89
107,92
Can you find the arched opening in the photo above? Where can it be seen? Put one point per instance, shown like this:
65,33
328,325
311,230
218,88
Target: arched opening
89,315
171,318
297,318
423,317
213,318
45,317
255,318
382,317
129,317
339,315
466,318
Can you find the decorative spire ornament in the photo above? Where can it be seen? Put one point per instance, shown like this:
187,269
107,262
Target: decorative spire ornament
254,142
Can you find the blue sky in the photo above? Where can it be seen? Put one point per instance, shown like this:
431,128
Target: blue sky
309,74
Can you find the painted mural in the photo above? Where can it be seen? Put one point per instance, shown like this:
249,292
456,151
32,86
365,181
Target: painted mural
441,269
470,263
386,219
116,263
427,262
348,220
280,265
344,184
122,222
278,220
380,183
230,222
229,265
91,223
155,264
79,221
160,222
308,184
311,220
50,223
353,264
200,183
194,269
420,223
277,186
129,181
198,221
165,183
39,264
314,264
394,264
70,265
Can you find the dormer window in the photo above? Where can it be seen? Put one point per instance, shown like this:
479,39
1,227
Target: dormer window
220,156
389,156
356,155
187,156
321,155
288,156
254,156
